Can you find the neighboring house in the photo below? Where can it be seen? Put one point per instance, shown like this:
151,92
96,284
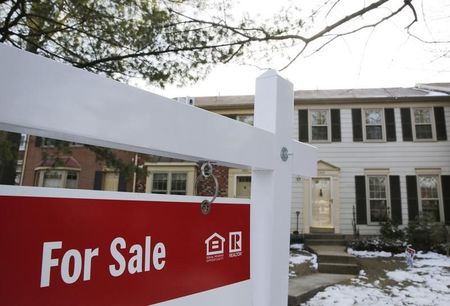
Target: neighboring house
382,153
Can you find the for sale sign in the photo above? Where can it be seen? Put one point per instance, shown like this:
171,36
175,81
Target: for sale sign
91,251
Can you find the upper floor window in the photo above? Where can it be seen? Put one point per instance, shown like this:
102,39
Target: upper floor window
373,120
423,123
320,125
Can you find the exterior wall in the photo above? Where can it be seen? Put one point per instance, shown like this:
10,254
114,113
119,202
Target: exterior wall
401,158
85,157
206,187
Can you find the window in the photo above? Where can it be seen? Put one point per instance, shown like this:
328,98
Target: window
171,178
57,178
377,198
320,125
423,123
373,121
245,118
23,142
169,183
429,196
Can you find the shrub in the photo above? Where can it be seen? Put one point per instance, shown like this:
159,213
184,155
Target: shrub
390,230
378,244
424,235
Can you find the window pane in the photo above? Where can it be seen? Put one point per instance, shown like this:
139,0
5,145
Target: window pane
378,210
52,179
319,117
72,180
319,133
430,209
373,116
424,132
178,185
422,115
374,132
159,183
377,187
428,187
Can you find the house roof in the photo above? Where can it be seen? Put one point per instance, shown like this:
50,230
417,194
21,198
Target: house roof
63,161
431,92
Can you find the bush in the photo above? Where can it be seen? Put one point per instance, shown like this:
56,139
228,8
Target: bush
378,244
425,235
390,231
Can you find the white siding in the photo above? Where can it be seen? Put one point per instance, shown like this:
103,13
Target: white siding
401,158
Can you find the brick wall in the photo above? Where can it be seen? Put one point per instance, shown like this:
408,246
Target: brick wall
206,187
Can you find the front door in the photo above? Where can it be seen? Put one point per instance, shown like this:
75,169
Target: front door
243,186
321,203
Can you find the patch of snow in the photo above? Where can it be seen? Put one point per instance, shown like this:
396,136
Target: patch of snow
297,259
297,246
368,254
427,283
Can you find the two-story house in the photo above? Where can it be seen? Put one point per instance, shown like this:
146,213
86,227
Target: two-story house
383,152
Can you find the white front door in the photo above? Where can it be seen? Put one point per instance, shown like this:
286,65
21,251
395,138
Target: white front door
321,202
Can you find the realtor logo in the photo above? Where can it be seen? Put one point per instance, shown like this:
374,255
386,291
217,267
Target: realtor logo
214,245
235,244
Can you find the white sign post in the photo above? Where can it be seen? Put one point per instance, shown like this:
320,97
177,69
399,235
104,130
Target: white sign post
49,99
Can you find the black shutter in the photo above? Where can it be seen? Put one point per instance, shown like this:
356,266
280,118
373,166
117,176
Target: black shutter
390,124
37,142
441,129
122,181
396,199
303,125
357,125
413,201
445,179
98,180
335,125
406,124
361,211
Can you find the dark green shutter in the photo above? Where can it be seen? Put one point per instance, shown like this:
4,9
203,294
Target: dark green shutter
303,125
396,199
445,179
357,125
413,201
98,180
335,125
360,188
406,124
390,124
122,181
439,118
37,142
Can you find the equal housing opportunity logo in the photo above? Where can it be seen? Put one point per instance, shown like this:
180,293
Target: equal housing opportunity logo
215,246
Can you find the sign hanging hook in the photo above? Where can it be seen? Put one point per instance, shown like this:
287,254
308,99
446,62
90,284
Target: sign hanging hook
206,171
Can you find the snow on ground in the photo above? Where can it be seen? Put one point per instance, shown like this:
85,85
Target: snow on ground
298,256
368,254
426,283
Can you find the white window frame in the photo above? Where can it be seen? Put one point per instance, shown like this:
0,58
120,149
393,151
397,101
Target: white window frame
383,124
310,125
40,176
433,124
372,173
171,168
435,173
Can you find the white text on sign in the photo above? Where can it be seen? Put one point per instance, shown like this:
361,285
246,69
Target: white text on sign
142,259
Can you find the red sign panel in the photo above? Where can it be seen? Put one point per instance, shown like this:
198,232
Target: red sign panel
67,251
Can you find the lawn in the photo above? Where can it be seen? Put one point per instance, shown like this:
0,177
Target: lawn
384,280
